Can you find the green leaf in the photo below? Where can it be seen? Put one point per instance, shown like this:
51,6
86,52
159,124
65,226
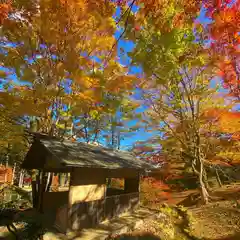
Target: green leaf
94,114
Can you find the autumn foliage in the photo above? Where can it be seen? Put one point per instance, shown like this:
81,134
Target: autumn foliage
154,191
63,55
224,37
228,122
5,8
62,74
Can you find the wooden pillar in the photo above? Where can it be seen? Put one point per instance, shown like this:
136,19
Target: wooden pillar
41,190
86,198
34,188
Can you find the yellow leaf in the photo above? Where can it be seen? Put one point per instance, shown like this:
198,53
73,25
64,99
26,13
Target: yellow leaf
3,74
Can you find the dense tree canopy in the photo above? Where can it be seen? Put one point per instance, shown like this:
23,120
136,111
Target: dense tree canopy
61,74
56,75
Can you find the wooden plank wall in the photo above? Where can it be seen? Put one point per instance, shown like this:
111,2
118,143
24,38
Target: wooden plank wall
89,214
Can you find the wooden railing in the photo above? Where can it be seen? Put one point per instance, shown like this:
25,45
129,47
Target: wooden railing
115,205
89,214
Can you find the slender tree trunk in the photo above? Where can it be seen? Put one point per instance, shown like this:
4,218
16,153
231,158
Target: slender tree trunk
204,192
22,179
5,176
218,178
205,179
49,182
60,179
13,173
119,139
66,179
6,164
20,183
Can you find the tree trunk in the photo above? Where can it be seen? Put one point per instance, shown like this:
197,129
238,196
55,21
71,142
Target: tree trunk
218,178
119,140
205,179
49,182
20,183
204,192
61,179
13,173
66,180
7,158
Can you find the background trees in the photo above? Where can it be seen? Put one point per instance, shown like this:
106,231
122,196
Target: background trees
179,89
61,75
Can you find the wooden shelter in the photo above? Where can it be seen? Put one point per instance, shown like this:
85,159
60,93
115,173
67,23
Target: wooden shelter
87,201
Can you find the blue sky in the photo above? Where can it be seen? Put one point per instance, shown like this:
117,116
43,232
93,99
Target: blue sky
128,46
141,134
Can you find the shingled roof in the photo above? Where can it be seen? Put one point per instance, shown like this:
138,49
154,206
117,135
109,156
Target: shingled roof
52,153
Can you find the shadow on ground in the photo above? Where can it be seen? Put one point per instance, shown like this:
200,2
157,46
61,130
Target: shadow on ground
145,236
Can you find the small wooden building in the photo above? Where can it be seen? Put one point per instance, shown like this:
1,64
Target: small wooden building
87,201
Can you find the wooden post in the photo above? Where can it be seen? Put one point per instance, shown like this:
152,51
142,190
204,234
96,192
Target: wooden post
34,188
218,178
41,190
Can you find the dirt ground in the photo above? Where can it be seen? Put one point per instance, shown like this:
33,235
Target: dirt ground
219,220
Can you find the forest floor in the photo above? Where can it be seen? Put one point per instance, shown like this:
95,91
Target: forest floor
188,220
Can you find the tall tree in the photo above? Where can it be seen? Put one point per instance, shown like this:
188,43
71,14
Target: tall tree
177,77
